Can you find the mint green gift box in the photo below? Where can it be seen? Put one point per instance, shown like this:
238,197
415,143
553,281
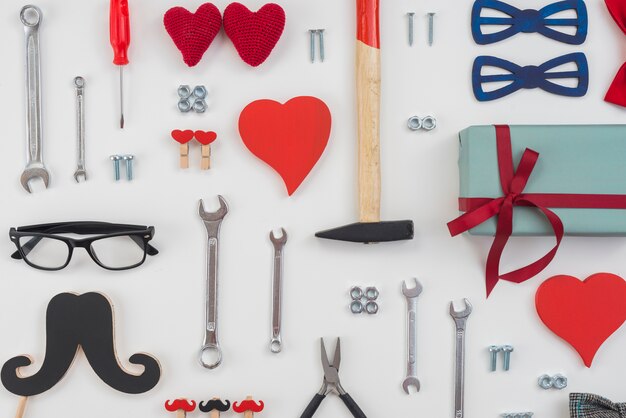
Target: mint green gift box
576,159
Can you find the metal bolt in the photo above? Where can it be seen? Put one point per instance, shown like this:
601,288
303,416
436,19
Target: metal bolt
411,17
493,351
312,33
116,166
129,166
321,34
431,24
507,350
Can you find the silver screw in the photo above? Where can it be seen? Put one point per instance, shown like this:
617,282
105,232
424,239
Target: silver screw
321,34
431,25
129,166
411,17
312,33
116,166
507,350
493,351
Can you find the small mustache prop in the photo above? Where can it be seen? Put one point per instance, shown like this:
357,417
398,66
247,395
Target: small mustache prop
248,407
214,404
180,406
587,405
73,322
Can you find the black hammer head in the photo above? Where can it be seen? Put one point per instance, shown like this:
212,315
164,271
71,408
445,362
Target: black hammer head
370,232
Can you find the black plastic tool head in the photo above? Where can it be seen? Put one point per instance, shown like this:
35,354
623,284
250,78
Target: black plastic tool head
371,232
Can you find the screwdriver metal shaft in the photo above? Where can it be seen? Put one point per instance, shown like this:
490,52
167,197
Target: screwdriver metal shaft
121,97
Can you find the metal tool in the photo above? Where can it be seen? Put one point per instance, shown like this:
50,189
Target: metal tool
31,17
119,28
332,384
80,172
277,290
411,295
460,320
212,222
411,18
431,28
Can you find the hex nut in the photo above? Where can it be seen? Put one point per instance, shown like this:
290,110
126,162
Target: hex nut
199,106
356,293
199,92
371,307
559,381
414,123
371,293
545,381
184,91
184,105
356,307
429,123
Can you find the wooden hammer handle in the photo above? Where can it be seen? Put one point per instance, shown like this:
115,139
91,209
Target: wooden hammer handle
368,108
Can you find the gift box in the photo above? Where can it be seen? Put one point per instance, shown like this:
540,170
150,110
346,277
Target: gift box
540,180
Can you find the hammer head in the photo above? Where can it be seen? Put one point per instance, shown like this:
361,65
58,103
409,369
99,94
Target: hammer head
370,232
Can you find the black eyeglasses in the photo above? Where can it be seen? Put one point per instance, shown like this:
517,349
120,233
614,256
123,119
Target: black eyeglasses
111,246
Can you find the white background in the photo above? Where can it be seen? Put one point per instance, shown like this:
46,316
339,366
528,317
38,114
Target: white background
159,307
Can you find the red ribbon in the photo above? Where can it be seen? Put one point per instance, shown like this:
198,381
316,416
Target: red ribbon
617,92
513,182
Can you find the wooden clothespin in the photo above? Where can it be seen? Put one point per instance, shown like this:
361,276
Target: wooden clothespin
180,406
205,138
214,407
183,138
248,407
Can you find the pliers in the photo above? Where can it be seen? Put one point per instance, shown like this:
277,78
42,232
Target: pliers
332,384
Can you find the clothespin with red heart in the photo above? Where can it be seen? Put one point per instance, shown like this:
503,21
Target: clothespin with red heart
248,407
180,406
205,139
183,138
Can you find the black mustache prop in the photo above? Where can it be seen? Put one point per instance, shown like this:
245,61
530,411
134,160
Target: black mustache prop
214,404
74,321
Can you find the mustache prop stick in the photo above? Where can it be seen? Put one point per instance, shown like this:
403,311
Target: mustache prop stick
73,322
248,407
214,407
181,407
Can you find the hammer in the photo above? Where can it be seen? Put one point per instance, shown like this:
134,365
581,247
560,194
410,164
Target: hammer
369,229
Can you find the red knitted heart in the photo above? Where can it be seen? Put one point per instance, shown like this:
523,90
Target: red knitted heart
254,34
182,136
193,32
205,138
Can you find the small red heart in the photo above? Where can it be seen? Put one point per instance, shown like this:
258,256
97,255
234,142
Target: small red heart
583,313
289,137
182,136
205,138
193,33
254,34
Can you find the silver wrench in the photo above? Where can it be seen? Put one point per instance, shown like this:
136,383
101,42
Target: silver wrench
80,172
411,362
212,222
31,17
277,289
460,319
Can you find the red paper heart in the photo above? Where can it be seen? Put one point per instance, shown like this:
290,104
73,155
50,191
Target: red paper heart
254,34
182,136
193,32
583,313
205,138
289,137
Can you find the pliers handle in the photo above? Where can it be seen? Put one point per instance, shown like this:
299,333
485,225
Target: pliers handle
352,406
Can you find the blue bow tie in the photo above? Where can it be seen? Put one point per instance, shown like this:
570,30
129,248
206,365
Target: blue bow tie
529,21
530,77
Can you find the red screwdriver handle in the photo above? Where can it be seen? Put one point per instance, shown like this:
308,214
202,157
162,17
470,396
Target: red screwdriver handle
119,26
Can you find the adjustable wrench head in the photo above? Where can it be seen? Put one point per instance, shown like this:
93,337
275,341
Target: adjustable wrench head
279,242
461,314
213,216
31,173
413,292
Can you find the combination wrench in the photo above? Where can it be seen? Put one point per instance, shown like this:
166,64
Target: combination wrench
80,172
411,362
31,17
277,289
460,320
211,347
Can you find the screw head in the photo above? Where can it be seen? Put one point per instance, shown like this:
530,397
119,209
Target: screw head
494,349
128,157
115,157
507,349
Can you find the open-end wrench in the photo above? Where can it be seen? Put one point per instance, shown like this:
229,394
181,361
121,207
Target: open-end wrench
211,346
411,335
277,289
80,172
31,17
460,319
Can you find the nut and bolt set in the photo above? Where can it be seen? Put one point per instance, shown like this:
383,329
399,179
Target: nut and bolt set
128,159
192,99
364,300
320,34
431,27
506,351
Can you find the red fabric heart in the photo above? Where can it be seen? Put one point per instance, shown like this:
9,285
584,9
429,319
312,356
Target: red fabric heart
205,138
254,34
182,136
289,137
583,313
193,33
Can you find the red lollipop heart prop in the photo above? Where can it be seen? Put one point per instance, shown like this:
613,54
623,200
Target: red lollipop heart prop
289,137
193,33
182,136
205,138
254,34
583,313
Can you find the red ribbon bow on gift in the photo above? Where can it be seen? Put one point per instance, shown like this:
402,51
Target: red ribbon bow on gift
617,92
478,210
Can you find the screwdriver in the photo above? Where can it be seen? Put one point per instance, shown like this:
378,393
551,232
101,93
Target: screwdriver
119,27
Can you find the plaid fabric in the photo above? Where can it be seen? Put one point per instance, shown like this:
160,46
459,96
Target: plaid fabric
587,405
